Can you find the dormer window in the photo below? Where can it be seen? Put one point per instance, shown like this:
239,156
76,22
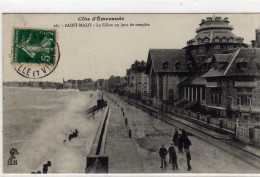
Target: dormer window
209,18
224,39
165,65
218,18
216,39
206,40
231,39
241,64
178,65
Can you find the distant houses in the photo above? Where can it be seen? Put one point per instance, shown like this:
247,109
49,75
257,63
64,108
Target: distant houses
43,85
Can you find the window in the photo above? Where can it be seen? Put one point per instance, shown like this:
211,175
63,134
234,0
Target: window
224,39
200,50
212,97
139,89
203,93
231,40
216,39
239,90
249,101
241,66
248,89
219,102
244,95
244,100
145,79
139,80
238,100
258,66
177,65
165,65
206,40
217,46
145,89
230,46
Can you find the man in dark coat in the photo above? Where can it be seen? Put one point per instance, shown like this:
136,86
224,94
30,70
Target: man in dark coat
184,134
180,143
188,156
187,144
170,151
175,137
173,157
163,152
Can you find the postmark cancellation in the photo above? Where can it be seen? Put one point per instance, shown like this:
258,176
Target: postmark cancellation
35,52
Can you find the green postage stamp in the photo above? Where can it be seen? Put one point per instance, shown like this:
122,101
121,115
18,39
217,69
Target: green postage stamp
35,52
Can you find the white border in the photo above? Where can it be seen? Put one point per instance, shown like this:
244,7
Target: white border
123,6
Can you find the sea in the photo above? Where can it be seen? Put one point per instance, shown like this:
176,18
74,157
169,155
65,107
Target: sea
37,122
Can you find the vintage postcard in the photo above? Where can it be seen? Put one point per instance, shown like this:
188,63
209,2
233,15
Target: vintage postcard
131,93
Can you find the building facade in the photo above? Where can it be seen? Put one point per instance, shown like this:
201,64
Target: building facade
214,36
137,81
233,84
166,69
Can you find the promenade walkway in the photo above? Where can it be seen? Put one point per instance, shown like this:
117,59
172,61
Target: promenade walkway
123,155
140,153
207,131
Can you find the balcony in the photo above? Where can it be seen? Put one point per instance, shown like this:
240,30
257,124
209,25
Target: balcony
245,108
214,26
245,84
212,84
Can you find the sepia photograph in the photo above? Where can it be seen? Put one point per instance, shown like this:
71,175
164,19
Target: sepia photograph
131,93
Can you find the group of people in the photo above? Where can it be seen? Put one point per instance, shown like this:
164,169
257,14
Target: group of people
181,141
44,169
73,134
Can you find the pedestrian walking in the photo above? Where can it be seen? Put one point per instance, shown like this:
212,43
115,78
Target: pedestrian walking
123,114
184,134
188,156
163,152
175,137
187,144
173,157
170,151
180,143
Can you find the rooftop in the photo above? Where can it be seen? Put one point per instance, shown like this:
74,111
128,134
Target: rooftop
243,55
215,30
167,60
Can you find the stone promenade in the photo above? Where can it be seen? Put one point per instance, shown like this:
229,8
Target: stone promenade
139,154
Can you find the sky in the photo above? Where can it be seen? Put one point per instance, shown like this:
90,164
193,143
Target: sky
99,52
